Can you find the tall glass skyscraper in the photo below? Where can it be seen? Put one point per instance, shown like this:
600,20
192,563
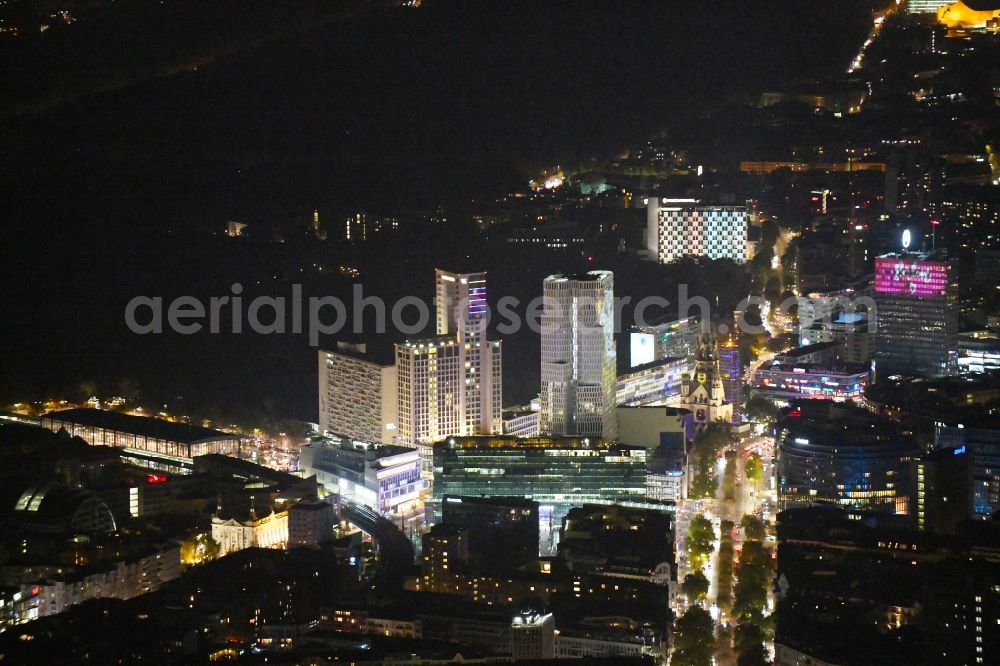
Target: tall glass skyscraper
578,355
916,317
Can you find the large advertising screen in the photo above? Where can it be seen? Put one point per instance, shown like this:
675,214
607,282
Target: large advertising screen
641,349
913,277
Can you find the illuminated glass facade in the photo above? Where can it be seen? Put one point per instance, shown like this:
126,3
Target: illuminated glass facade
150,435
732,377
841,455
676,228
916,316
785,382
450,384
578,355
982,441
652,384
559,471
383,477
979,351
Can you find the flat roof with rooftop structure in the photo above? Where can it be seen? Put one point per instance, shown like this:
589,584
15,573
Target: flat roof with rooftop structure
808,350
587,276
152,435
139,425
542,442
520,410
377,353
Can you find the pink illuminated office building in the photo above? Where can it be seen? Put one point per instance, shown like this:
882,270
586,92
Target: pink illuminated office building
917,315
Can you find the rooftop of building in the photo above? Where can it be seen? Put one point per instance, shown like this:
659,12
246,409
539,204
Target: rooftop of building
858,319
143,426
651,366
842,369
847,285
972,418
665,322
806,350
541,442
499,501
838,527
377,352
982,5
615,538
520,410
475,275
363,446
311,506
814,425
668,410
982,336
587,276
934,398
446,530
917,255
227,465
55,504
692,203
433,341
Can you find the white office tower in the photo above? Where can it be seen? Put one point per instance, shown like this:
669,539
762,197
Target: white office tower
679,227
460,299
451,384
357,394
578,355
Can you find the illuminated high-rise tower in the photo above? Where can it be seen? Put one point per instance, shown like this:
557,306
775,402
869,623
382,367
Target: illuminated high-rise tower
451,384
732,376
676,228
916,316
460,299
578,355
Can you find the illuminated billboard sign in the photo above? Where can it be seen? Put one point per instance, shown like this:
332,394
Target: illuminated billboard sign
641,349
912,277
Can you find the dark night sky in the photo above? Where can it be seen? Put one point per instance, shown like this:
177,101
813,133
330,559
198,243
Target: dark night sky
113,195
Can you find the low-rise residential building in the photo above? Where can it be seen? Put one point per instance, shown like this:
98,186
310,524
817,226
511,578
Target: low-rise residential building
310,523
55,592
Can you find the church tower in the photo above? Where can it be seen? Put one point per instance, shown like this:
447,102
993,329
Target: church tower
704,392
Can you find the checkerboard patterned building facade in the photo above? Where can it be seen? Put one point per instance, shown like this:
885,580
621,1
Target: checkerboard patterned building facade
679,227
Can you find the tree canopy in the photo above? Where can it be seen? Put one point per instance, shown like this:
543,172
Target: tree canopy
694,638
695,586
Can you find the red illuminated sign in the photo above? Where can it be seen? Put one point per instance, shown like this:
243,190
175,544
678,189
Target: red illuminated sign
156,478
